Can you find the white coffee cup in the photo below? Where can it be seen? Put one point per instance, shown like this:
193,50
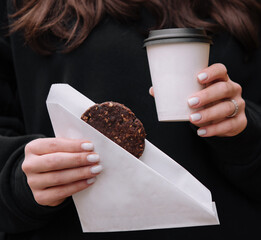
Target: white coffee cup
175,58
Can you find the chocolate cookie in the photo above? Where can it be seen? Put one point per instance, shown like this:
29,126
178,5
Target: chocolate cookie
118,123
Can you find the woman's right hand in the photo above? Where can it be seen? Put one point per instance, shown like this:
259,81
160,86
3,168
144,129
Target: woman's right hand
56,168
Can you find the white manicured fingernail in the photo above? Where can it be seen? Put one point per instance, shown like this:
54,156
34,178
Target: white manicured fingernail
195,117
93,158
202,132
87,146
202,76
193,101
91,180
96,169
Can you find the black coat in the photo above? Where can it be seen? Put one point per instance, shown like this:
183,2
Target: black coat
112,65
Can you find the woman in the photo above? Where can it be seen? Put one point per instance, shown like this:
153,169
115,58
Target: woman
96,47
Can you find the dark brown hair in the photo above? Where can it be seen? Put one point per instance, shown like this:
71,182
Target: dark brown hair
72,20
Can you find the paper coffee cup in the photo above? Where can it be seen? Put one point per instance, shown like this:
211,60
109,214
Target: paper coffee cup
175,58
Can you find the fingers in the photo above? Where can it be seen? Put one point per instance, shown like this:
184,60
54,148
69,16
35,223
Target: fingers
58,168
63,177
215,105
216,112
43,146
214,72
215,92
56,195
227,128
59,161
212,118
216,122
151,91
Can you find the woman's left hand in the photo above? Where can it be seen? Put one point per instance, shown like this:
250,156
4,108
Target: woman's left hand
222,108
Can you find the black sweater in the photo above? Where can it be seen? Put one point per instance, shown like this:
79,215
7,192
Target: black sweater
112,65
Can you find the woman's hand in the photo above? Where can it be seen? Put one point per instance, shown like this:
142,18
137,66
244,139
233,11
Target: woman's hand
56,168
222,109
223,112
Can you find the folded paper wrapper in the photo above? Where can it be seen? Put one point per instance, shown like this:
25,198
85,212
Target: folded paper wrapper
152,192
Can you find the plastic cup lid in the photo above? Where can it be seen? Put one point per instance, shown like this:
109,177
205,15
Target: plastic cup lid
173,35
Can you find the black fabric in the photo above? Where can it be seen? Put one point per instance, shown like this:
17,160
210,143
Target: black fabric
111,65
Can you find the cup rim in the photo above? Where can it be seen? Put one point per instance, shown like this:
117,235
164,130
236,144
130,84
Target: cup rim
173,35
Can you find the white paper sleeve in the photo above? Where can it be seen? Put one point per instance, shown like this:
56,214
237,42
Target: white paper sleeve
130,194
